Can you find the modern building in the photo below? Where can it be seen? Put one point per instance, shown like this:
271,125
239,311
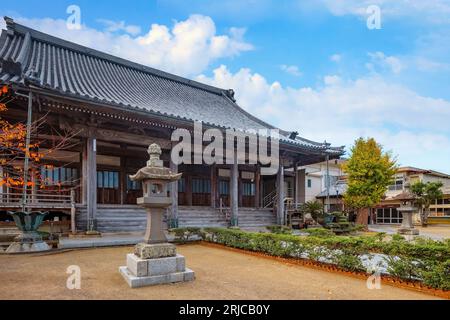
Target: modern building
313,184
386,211
114,109
313,177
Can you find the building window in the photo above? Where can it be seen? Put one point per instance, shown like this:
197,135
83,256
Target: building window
398,185
53,176
309,183
224,187
388,216
181,185
248,189
201,186
108,179
133,185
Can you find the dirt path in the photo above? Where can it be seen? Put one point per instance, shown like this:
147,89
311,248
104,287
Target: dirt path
221,274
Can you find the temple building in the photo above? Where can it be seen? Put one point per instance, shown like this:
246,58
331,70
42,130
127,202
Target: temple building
114,109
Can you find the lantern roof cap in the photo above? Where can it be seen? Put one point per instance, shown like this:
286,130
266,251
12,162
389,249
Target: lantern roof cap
155,169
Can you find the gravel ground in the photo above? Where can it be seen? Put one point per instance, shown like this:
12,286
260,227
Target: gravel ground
221,274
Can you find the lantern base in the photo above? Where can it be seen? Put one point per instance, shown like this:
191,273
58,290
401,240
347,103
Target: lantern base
148,272
155,250
408,231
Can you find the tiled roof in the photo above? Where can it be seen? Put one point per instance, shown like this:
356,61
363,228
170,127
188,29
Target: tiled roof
62,67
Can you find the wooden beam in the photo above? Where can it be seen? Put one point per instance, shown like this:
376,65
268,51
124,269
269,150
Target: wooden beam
120,137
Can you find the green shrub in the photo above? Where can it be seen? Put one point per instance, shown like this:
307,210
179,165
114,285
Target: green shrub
279,229
348,259
319,232
437,275
183,235
428,260
45,235
397,237
404,268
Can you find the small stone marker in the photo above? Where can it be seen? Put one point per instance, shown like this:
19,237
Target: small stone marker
155,261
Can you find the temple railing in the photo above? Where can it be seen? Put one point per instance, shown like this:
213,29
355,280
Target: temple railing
37,200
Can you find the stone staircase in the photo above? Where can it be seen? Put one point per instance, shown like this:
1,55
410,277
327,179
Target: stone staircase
256,218
115,219
118,219
201,217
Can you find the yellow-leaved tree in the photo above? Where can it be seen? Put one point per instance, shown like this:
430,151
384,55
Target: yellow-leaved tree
370,171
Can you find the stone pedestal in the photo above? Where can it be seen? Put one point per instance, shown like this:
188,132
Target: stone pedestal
407,227
28,241
27,247
153,264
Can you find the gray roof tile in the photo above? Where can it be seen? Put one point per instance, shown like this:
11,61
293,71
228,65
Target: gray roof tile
71,69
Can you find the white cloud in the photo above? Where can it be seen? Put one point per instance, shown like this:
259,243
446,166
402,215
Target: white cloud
424,64
336,57
339,110
115,26
380,59
431,11
292,70
186,48
2,23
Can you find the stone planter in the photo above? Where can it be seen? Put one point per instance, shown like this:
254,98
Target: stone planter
29,240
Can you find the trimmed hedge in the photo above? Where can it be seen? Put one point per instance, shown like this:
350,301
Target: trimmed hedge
426,259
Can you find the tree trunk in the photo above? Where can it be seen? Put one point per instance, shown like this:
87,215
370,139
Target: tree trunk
424,217
362,216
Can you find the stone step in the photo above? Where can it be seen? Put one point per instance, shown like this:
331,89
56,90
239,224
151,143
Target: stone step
9,231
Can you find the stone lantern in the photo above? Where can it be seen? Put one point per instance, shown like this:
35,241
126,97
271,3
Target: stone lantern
407,210
155,261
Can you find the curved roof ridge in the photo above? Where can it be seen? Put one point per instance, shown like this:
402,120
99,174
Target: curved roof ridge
43,37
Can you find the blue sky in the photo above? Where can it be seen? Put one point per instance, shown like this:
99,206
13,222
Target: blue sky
310,66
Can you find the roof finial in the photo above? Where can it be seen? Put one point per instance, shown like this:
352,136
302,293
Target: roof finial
154,151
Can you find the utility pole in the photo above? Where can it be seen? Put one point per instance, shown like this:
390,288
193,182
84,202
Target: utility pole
27,152
327,157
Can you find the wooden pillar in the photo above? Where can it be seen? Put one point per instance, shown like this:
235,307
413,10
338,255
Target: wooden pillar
234,197
240,189
295,185
1,186
280,194
258,187
90,181
123,176
73,226
173,223
213,186
188,186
